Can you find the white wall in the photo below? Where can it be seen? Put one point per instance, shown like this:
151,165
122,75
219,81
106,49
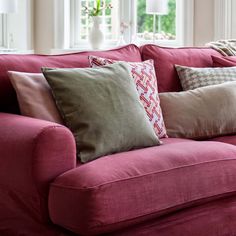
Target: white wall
43,25
203,22
234,19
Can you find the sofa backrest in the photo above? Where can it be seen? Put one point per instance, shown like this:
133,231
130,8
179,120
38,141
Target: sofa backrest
33,64
166,58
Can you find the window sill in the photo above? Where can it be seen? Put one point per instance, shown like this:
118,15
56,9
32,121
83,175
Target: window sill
15,51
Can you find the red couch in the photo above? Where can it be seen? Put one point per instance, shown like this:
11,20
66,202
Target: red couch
182,187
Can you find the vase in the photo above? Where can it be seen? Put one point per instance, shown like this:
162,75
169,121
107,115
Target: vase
96,37
121,41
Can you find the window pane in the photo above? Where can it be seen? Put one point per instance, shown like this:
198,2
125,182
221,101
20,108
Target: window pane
109,20
165,24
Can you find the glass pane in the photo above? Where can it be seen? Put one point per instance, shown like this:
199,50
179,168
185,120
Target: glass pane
2,30
165,24
109,19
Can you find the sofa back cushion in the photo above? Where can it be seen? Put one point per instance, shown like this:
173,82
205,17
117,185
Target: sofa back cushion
227,61
33,64
166,58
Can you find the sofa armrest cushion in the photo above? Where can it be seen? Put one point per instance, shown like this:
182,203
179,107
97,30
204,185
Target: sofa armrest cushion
32,154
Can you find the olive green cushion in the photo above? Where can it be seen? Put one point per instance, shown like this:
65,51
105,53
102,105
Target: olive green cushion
101,107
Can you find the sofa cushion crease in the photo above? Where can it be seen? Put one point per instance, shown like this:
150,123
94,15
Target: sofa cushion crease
90,188
94,230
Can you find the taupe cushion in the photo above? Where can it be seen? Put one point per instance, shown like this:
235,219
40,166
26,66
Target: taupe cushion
101,106
201,113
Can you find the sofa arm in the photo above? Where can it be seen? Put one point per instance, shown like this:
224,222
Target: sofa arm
32,154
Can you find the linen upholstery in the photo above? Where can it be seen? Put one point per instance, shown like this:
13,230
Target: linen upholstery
212,218
34,96
29,161
224,61
230,139
165,60
101,107
192,77
136,185
34,63
201,113
34,152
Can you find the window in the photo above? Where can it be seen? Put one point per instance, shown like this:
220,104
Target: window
175,28
166,27
80,22
3,31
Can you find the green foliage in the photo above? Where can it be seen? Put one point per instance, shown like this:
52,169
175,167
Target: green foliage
145,21
100,6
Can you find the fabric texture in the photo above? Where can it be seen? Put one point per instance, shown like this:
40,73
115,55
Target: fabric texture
102,108
225,47
136,185
213,218
34,63
201,113
165,60
34,96
33,153
192,77
146,84
224,61
230,139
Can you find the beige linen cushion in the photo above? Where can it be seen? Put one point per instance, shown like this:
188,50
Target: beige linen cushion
34,96
201,113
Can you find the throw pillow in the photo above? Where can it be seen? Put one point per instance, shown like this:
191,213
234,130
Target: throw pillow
34,96
224,61
201,113
146,84
192,77
102,108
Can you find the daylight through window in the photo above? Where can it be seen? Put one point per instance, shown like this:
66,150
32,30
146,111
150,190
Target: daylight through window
127,22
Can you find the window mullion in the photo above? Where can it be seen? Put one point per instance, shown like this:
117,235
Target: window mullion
62,11
2,31
126,13
133,21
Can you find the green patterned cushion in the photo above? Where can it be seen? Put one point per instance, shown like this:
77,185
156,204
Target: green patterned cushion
192,77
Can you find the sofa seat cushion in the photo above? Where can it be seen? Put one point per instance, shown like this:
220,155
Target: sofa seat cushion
122,189
230,139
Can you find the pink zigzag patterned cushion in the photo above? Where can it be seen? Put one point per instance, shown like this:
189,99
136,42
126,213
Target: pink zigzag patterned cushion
146,84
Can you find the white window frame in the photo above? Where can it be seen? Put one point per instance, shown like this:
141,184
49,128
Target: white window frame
65,38
3,29
74,28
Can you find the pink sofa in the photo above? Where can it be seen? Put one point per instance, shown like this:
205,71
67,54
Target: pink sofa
182,187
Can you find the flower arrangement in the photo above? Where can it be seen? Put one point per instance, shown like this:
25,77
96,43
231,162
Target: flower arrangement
95,11
123,27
